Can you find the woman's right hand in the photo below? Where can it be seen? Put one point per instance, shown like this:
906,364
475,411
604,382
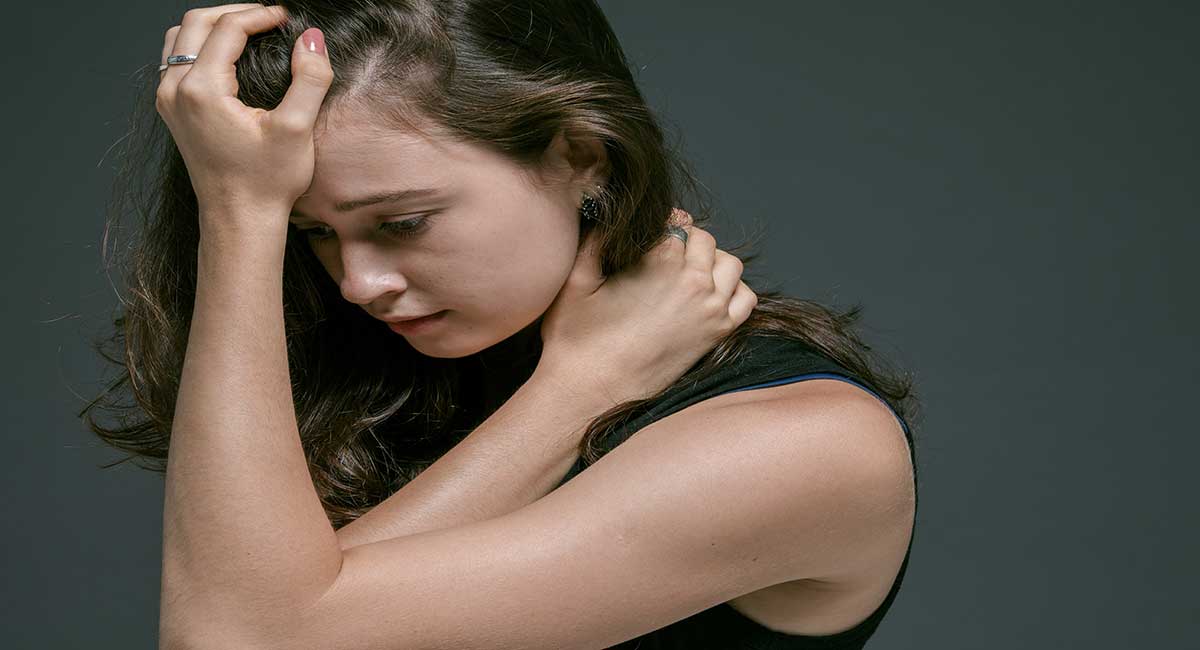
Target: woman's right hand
247,165
635,333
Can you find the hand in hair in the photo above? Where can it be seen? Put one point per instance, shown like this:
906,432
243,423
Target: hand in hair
241,160
630,335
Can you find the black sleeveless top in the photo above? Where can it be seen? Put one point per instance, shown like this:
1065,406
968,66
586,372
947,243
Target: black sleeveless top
771,361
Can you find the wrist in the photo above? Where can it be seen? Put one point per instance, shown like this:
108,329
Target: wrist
224,257
224,234
244,223
573,387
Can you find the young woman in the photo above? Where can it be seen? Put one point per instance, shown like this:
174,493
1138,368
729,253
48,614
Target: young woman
341,475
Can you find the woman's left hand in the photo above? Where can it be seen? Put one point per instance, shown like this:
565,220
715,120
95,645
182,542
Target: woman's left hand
247,165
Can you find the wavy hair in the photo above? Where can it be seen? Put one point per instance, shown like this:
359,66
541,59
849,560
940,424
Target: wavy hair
372,412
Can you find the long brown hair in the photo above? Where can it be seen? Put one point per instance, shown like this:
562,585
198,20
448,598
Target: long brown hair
372,412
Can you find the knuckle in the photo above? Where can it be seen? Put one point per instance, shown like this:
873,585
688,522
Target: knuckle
732,260
189,88
697,280
207,15
718,304
316,75
289,124
671,248
211,10
753,295
193,15
227,20
186,87
729,265
161,100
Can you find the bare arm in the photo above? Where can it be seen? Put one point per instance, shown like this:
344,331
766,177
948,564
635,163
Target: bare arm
245,537
244,533
515,457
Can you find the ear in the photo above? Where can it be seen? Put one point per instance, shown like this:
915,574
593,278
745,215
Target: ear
582,157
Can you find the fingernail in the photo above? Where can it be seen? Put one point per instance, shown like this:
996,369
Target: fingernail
314,40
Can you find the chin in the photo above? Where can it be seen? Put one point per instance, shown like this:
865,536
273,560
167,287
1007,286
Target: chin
451,346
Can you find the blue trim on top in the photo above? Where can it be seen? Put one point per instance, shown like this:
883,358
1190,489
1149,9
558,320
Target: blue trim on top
823,375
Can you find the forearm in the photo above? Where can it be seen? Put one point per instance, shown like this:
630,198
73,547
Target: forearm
245,538
515,457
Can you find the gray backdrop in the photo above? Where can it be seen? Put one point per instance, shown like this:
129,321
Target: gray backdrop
1009,188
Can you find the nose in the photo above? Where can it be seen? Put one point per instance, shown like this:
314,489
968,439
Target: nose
368,273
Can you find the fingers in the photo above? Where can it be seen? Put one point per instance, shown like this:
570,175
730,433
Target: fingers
701,247
727,274
190,37
742,304
168,48
726,269
670,246
228,35
680,218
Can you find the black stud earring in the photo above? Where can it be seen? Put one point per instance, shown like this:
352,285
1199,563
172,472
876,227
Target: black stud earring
589,207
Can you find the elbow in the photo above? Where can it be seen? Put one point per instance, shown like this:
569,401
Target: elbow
215,637
195,618
205,628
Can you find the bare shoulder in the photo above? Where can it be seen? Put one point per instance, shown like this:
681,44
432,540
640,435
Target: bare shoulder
826,398
851,441
847,592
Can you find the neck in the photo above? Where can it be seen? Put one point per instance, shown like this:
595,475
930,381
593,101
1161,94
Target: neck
509,363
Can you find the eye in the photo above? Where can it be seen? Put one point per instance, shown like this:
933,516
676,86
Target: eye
402,229
406,228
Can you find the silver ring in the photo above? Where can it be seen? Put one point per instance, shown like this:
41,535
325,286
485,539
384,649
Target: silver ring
677,232
177,59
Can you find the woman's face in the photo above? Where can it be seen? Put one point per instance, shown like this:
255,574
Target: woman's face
485,244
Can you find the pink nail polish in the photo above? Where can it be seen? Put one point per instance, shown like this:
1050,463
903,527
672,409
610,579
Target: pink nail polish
314,40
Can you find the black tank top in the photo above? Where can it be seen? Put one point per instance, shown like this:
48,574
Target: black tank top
771,361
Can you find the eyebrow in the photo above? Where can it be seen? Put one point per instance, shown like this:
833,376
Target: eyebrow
390,196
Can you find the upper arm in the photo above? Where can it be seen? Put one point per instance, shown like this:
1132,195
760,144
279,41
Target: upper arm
693,510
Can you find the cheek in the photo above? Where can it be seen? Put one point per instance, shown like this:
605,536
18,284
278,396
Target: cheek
525,273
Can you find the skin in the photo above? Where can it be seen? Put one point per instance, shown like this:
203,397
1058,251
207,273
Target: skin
476,261
238,158
485,216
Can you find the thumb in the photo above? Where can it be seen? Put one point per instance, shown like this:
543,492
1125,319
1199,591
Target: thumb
311,77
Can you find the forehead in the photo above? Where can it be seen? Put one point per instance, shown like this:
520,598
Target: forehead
348,146
358,156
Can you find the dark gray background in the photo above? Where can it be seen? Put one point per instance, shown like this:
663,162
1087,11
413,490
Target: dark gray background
1009,188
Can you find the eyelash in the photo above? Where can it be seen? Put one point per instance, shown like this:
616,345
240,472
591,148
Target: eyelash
402,229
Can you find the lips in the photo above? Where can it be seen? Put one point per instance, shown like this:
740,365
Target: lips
405,319
414,326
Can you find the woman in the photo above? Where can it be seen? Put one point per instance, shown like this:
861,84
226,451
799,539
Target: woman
471,479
